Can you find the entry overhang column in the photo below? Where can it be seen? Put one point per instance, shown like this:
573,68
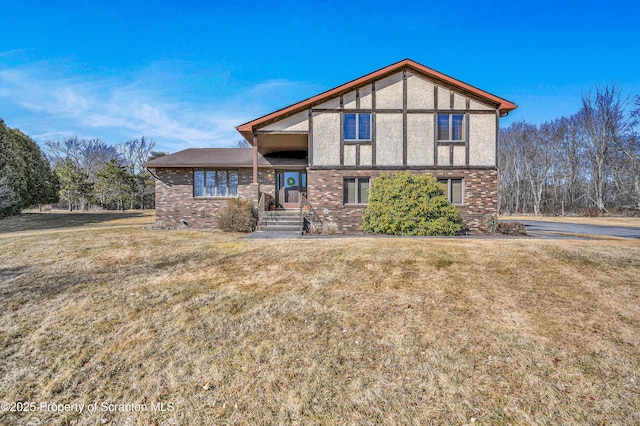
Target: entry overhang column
255,158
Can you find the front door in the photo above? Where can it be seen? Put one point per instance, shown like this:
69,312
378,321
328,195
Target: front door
290,185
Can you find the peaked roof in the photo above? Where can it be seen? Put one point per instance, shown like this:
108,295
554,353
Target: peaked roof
503,105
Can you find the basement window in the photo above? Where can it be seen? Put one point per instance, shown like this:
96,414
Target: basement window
215,183
357,127
450,127
356,190
453,190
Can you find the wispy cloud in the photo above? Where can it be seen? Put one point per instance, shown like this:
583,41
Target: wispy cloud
50,106
12,53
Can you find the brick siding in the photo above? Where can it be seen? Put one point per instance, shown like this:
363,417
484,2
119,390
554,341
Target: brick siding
325,194
175,200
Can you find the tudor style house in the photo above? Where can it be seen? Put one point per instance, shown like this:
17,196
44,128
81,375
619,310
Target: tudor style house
321,154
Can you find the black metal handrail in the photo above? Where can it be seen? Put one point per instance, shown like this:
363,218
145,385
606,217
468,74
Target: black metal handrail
261,210
310,222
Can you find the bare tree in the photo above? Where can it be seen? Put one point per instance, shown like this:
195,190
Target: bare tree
628,147
133,154
513,183
89,155
602,121
538,150
570,163
590,159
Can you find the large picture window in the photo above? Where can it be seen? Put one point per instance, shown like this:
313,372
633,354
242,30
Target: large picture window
357,127
356,190
450,127
215,183
454,189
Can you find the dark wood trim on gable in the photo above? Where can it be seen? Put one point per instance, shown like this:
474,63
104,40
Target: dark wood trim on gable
280,132
341,130
310,138
452,107
497,131
404,117
401,168
462,92
435,139
400,111
429,74
466,132
435,96
435,124
373,123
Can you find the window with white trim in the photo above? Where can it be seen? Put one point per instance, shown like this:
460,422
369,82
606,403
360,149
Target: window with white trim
215,183
357,127
453,190
356,190
450,127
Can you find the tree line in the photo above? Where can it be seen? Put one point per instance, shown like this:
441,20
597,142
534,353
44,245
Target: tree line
94,173
587,163
78,174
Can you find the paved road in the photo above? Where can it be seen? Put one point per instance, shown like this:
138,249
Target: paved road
546,229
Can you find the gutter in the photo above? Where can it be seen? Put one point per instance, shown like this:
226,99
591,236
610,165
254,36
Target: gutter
151,173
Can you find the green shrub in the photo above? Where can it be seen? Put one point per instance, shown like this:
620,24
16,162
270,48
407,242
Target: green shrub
238,216
407,204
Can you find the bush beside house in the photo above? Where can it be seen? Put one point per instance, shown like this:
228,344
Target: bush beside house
406,204
238,216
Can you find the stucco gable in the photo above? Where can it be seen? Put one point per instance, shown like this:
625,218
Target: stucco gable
296,123
328,99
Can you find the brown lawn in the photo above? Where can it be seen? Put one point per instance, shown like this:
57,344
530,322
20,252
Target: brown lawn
632,222
315,331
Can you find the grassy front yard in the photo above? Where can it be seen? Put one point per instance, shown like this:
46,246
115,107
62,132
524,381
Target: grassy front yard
632,222
315,331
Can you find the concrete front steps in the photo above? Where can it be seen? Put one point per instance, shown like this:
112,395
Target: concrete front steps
280,220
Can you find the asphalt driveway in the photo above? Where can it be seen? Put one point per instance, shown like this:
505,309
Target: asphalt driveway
551,229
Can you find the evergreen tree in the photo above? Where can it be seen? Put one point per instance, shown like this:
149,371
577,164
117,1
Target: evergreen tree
114,185
75,187
26,178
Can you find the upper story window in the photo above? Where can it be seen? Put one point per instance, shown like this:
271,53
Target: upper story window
356,190
357,127
450,127
215,183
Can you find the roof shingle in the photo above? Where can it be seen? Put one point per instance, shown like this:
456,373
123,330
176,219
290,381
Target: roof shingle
220,157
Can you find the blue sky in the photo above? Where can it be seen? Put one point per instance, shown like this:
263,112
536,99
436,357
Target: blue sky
186,73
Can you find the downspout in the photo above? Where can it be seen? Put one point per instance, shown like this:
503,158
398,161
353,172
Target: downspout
151,173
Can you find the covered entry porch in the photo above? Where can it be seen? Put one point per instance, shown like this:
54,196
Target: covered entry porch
284,203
